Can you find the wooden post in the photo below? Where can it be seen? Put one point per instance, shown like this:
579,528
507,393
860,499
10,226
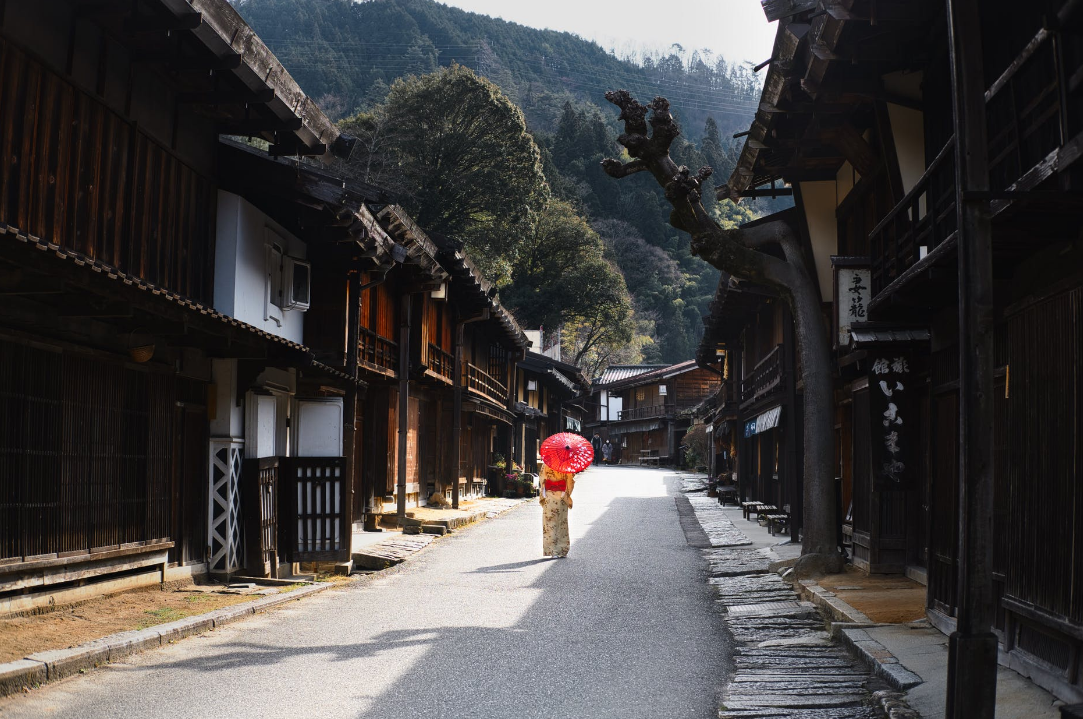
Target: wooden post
349,419
404,400
793,466
972,658
457,416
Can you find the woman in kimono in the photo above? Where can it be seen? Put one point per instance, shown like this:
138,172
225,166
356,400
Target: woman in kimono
556,500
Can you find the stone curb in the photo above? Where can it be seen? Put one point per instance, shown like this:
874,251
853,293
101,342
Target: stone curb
835,609
55,664
879,659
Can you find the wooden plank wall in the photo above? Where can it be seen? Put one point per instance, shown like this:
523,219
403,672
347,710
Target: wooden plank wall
86,453
77,174
1044,486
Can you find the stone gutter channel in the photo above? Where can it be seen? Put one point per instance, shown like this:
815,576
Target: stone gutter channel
785,662
55,664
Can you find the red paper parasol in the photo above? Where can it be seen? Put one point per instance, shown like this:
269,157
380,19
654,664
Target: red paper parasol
567,452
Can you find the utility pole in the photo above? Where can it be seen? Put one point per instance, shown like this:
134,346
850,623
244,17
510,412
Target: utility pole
972,658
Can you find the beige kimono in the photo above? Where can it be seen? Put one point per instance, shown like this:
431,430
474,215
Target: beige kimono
555,507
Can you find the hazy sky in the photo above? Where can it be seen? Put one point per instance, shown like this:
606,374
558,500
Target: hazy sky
735,29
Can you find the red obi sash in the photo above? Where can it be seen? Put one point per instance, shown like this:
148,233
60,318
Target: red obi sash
556,485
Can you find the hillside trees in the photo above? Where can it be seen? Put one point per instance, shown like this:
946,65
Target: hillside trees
740,253
463,162
457,154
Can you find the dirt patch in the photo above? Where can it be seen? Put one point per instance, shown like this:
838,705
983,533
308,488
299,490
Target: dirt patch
883,598
76,624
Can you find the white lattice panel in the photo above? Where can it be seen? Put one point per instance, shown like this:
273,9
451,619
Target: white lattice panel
224,541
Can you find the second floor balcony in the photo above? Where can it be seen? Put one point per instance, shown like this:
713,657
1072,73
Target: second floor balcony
441,363
478,380
377,353
765,378
646,412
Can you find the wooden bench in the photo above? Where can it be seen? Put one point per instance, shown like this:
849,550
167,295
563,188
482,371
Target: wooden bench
763,511
649,456
751,507
727,495
778,519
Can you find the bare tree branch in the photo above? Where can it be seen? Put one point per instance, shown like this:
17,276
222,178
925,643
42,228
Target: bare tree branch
739,253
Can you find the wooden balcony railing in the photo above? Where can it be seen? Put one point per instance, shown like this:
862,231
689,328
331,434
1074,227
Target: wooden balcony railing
916,226
441,362
480,381
1026,113
765,377
1030,114
377,351
645,412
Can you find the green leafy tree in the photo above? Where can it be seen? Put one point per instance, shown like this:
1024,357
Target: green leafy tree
604,324
558,243
466,166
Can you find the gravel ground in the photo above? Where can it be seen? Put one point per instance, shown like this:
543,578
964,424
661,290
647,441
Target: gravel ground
476,625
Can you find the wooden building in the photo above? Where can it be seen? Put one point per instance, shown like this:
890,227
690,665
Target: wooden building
111,186
755,416
548,401
857,117
641,408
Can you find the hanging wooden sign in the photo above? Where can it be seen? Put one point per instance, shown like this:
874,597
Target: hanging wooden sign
891,420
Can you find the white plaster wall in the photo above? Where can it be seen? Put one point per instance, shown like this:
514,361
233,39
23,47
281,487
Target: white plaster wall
908,129
227,419
819,203
240,280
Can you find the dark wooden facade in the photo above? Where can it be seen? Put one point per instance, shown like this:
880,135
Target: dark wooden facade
109,174
891,211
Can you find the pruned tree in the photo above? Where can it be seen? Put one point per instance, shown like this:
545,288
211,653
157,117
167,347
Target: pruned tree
740,253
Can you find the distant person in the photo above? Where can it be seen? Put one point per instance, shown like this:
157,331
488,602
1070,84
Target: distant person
596,443
607,451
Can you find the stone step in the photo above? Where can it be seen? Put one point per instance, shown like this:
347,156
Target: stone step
769,713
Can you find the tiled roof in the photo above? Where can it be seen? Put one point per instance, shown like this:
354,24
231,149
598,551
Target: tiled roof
618,372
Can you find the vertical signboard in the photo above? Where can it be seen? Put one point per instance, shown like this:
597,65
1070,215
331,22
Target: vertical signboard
891,420
853,300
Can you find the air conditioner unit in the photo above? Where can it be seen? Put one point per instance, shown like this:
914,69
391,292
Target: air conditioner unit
296,284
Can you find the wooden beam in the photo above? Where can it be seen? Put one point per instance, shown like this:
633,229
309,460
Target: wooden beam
259,125
296,148
777,9
106,308
227,97
846,139
175,61
16,284
164,23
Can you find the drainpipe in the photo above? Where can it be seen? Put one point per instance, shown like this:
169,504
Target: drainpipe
457,406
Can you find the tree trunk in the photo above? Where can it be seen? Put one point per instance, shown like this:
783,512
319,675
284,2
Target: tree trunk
738,253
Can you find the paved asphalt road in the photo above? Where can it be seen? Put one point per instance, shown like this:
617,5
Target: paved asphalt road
477,625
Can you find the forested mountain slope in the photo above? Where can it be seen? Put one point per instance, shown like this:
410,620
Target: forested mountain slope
347,54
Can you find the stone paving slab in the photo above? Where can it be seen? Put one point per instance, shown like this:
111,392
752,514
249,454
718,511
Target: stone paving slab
730,562
786,664
772,713
391,552
716,523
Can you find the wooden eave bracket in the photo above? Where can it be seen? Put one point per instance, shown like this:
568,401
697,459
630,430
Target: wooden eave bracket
221,25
